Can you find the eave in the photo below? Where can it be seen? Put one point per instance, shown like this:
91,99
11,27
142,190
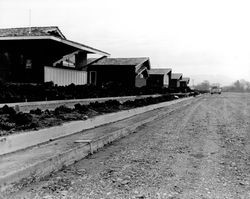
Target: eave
64,41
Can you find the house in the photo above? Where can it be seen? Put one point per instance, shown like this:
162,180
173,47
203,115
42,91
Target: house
159,77
175,80
42,54
184,82
125,72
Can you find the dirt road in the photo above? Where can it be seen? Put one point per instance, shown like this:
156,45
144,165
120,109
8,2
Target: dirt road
201,151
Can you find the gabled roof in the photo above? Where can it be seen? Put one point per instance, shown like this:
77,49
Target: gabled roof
159,71
185,79
119,61
32,31
176,76
137,62
46,33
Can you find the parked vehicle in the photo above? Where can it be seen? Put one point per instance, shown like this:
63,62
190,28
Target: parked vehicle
215,90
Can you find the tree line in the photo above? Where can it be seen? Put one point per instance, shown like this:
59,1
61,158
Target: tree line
237,86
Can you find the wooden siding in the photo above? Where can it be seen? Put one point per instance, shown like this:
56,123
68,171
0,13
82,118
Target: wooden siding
174,83
123,76
64,77
155,80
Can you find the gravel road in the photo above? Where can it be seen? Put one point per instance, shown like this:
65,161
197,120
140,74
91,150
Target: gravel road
201,151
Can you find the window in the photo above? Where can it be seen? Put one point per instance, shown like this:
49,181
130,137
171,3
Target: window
93,75
28,64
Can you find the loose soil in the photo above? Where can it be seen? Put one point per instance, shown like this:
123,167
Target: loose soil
200,151
12,121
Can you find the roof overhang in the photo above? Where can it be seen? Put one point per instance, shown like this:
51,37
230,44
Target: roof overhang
57,39
185,79
159,71
138,66
177,76
140,70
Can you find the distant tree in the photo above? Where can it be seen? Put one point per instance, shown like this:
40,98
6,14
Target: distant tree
204,86
238,86
248,86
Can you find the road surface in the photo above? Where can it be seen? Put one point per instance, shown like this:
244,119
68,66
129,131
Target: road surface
201,151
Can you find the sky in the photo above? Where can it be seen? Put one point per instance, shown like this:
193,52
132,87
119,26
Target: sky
203,39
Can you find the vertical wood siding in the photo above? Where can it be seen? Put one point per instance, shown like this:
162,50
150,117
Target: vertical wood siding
64,77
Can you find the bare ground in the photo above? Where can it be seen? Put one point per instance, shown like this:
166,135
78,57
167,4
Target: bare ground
200,151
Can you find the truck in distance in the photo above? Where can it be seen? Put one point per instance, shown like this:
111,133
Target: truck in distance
215,90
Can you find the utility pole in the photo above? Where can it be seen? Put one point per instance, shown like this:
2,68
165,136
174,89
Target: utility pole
29,21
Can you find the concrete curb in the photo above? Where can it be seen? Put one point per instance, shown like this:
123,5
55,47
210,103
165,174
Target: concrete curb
43,168
25,140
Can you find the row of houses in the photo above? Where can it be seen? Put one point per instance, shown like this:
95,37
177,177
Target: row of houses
43,54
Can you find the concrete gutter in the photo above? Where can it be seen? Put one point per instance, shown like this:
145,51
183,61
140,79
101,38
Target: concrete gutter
16,142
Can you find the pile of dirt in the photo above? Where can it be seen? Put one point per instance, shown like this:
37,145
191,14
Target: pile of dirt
12,121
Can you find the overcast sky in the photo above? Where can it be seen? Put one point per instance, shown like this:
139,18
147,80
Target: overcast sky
203,39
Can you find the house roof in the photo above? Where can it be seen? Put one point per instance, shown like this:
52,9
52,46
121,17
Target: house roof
176,76
185,79
137,62
119,61
159,71
32,31
46,33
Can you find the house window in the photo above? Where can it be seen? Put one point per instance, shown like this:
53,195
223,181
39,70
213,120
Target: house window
93,75
28,64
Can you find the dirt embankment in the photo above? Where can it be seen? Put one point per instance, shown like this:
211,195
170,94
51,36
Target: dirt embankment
12,121
201,151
